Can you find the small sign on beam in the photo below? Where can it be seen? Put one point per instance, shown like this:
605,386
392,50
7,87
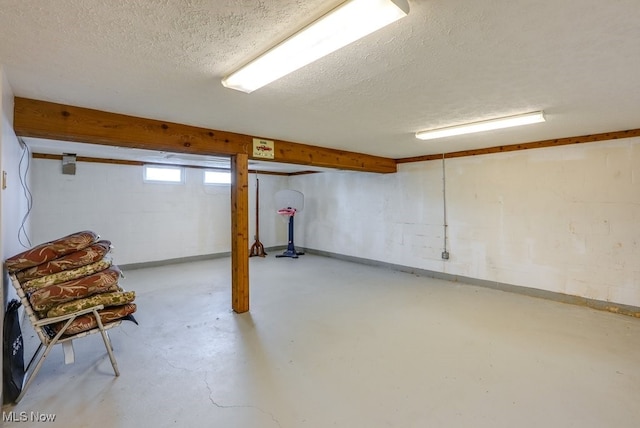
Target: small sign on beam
263,149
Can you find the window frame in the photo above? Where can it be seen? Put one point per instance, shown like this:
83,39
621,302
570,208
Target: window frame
161,181
216,171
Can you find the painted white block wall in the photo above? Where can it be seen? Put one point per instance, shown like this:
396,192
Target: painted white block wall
563,219
144,221
13,204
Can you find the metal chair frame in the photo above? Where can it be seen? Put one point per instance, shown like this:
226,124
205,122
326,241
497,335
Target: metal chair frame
48,342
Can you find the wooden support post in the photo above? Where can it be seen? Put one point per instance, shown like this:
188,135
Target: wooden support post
240,232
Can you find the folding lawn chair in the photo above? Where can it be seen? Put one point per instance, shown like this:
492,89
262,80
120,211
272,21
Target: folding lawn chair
49,338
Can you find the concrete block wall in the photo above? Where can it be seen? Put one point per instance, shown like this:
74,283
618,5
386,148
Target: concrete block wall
146,222
13,204
564,219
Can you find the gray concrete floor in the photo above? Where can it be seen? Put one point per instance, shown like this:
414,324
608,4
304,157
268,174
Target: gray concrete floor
330,343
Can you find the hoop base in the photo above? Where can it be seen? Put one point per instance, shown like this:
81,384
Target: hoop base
291,249
290,252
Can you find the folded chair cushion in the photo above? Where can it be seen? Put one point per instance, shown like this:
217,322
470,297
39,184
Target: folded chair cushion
88,322
105,299
85,256
66,275
47,297
70,271
50,250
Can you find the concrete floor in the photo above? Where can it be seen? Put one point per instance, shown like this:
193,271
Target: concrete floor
330,343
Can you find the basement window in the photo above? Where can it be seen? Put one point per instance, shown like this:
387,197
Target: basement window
217,177
163,174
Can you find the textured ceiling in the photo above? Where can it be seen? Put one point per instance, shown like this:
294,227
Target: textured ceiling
448,62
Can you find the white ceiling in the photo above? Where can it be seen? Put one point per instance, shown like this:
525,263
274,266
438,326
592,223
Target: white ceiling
448,62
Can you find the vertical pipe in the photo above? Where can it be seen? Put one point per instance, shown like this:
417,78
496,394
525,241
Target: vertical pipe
445,253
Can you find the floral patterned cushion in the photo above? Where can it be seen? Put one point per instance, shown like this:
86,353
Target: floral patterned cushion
47,297
87,322
66,275
50,250
83,257
106,299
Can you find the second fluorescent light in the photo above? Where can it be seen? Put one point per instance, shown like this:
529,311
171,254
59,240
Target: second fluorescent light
345,24
485,125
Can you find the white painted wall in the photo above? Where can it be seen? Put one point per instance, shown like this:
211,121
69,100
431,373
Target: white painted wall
563,219
13,204
144,221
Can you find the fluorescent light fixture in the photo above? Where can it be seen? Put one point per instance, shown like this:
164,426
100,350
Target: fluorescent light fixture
485,125
345,24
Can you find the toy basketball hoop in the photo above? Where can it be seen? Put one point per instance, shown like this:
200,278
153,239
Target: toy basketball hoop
288,199
289,202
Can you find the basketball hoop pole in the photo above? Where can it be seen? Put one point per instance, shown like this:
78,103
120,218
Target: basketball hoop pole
289,202
291,249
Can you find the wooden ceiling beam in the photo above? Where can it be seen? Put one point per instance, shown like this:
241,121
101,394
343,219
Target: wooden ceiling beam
42,119
606,136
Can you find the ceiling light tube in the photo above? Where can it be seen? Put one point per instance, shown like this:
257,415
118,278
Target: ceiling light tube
345,24
486,125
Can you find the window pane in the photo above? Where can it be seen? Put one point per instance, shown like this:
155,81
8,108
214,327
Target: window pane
217,177
153,173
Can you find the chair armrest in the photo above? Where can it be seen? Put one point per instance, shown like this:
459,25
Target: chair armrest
47,321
